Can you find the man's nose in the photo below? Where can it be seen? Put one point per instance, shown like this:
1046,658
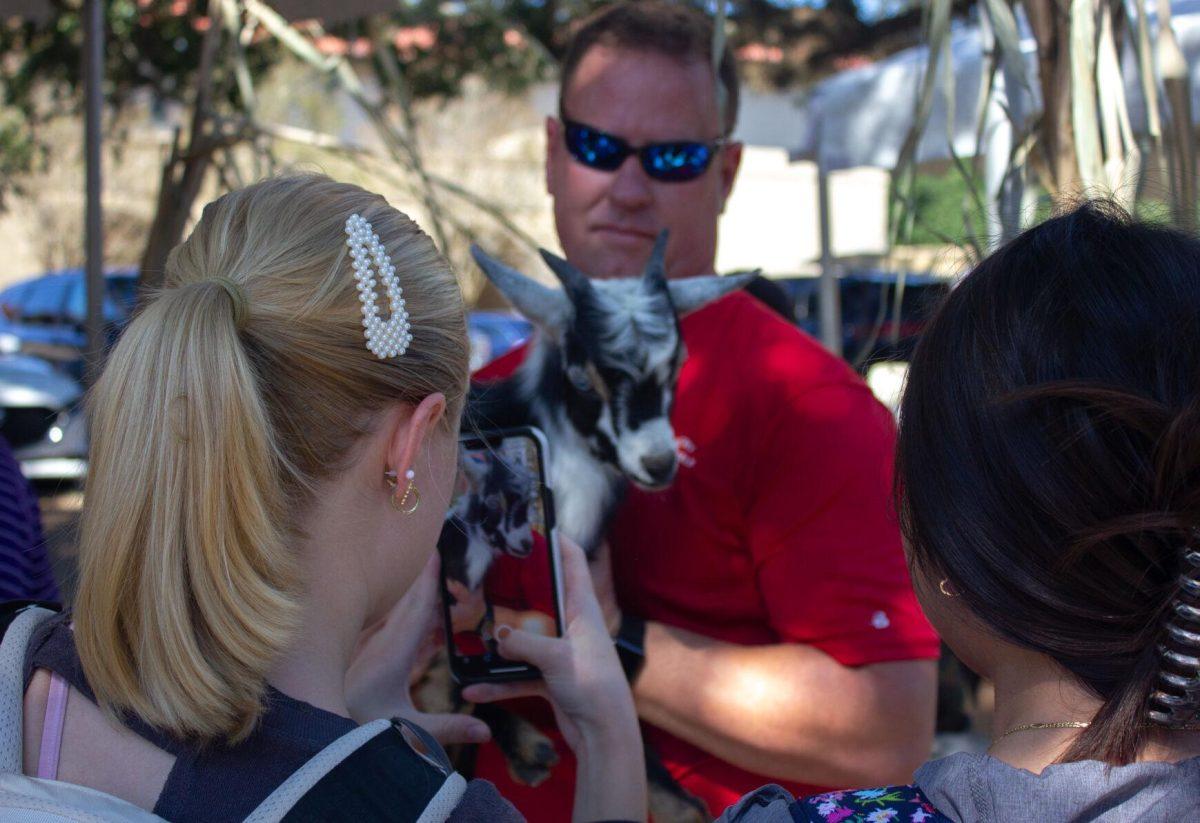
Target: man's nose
630,189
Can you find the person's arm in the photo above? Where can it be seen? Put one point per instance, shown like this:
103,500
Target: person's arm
582,679
785,710
820,706
789,711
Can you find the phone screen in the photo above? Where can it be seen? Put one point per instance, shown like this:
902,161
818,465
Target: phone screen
498,558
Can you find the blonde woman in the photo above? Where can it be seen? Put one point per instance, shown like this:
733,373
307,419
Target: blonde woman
269,473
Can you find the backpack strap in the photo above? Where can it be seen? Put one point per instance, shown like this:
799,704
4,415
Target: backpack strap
373,773
19,622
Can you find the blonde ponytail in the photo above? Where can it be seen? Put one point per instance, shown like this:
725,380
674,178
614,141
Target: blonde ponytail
237,389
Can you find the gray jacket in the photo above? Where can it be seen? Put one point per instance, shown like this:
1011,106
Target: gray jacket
976,788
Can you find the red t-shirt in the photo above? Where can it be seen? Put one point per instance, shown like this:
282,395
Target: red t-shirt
777,529
523,583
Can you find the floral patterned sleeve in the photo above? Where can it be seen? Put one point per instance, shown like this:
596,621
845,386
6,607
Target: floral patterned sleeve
894,804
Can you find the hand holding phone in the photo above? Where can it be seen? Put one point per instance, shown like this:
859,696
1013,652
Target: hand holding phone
499,556
583,679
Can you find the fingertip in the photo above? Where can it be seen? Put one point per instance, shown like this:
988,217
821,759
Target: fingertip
477,693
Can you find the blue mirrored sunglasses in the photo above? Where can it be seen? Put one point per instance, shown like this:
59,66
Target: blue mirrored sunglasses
672,162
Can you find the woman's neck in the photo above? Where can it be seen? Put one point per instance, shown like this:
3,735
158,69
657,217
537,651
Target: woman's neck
313,667
1035,690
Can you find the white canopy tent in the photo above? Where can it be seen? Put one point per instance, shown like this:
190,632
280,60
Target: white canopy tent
862,117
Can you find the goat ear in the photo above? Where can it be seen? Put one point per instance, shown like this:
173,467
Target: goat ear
574,281
548,308
655,273
691,293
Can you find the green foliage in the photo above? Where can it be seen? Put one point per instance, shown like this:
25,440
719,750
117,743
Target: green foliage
500,41
939,216
19,152
943,211
148,47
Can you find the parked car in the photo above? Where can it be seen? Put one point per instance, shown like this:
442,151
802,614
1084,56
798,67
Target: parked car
494,334
42,341
46,315
861,291
40,416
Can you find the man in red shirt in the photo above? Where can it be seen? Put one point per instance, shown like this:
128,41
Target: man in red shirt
780,639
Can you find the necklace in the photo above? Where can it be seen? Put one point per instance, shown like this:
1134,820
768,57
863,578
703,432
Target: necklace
1077,724
1028,727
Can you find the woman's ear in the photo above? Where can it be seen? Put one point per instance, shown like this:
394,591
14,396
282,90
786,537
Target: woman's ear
412,431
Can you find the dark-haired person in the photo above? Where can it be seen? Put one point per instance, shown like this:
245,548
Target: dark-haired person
767,586
1049,491
25,572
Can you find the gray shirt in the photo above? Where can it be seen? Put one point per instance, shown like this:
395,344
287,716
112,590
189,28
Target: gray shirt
976,787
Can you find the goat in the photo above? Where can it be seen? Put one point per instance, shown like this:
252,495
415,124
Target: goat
599,380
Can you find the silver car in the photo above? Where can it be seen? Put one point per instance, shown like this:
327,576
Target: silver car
42,419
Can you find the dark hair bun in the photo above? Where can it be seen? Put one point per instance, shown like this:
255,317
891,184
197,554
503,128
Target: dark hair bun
1048,461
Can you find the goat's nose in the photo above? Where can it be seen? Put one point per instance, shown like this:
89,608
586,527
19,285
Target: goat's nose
660,466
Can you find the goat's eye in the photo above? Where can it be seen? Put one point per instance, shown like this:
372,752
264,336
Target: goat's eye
492,501
579,379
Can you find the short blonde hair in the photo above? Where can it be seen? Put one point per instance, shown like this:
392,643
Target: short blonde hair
218,411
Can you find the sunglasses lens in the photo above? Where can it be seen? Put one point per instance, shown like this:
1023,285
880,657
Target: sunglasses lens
676,162
595,148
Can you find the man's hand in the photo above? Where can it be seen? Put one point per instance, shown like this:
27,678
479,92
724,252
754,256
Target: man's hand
602,580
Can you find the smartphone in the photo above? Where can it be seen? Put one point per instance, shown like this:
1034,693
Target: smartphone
500,563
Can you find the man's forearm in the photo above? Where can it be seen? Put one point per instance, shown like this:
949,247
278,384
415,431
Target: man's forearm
789,711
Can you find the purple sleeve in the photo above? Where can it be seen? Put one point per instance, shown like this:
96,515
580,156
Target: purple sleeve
25,572
482,801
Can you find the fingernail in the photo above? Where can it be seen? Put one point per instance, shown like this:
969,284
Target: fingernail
479,735
503,631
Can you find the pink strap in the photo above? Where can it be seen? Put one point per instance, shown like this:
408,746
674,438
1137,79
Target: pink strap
52,727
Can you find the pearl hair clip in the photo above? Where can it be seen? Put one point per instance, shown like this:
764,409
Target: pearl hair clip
385,338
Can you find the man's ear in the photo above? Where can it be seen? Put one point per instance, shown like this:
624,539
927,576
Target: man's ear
554,146
731,160
412,431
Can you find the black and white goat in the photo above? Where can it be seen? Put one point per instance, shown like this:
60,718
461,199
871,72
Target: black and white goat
598,380
494,517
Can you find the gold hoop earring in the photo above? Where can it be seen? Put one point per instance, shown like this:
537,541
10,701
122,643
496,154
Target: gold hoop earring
944,589
408,502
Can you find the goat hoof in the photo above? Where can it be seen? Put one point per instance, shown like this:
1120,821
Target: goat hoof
528,775
536,757
676,805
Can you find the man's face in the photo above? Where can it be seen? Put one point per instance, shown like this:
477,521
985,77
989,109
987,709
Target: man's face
607,220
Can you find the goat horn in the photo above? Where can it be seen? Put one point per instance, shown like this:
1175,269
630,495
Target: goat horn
546,307
574,281
690,293
656,268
